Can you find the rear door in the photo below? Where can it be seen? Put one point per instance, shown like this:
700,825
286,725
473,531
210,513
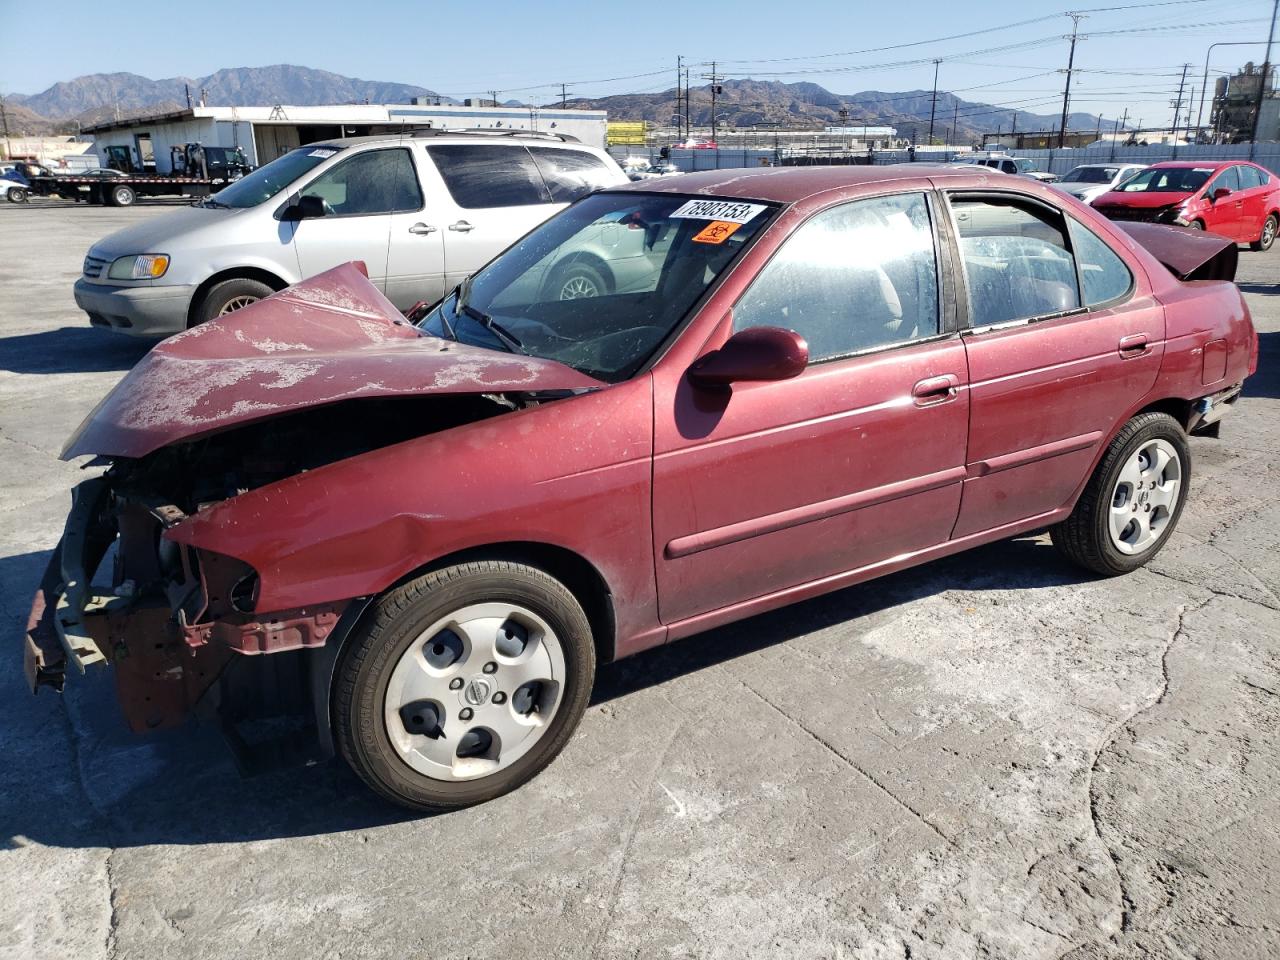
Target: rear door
492,195
1253,193
362,194
1052,371
857,460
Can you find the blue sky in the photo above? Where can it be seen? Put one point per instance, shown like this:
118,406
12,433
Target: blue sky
605,47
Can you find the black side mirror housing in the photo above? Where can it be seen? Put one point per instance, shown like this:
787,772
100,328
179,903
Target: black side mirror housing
305,208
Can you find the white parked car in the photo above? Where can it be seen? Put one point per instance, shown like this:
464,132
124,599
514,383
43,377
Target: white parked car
1089,181
1018,166
423,212
13,191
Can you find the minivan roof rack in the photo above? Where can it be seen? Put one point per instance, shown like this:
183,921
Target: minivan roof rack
494,132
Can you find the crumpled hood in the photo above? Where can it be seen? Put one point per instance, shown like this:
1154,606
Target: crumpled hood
1142,199
331,338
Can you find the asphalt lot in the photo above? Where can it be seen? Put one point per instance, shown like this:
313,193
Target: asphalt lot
990,756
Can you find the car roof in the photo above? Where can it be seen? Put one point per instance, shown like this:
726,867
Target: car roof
1176,164
439,133
793,184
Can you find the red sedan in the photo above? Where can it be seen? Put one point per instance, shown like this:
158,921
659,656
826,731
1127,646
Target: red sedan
1230,198
784,383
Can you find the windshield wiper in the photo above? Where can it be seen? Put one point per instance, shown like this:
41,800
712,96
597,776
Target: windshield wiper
210,202
479,316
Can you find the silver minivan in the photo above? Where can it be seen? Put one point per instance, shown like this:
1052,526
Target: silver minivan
422,210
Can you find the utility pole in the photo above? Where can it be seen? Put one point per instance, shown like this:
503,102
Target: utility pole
1115,134
564,96
933,106
1266,72
493,98
1066,90
1177,104
715,89
679,72
4,122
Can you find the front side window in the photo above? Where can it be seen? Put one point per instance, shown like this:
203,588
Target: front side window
1017,262
1103,273
481,176
1228,179
268,180
856,277
600,286
571,174
374,182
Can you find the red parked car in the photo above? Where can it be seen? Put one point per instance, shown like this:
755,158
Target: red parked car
1230,198
787,382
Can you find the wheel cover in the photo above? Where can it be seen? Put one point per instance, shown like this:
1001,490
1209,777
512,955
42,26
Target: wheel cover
236,303
1144,497
578,287
468,662
1269,231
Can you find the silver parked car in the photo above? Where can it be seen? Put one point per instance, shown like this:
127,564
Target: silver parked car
1089,181
422,211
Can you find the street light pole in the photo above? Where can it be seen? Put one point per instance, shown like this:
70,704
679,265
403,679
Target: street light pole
1204,84
1262,80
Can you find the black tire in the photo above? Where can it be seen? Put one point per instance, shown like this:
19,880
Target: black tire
578,279
395,621
1264,242
121,196
1196,224
227,294
17,195
1084,537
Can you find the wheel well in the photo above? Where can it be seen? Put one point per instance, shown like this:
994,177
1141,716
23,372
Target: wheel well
235,273
1180,410
574,571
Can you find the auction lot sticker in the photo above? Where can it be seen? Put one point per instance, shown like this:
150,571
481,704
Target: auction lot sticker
725,210
718,231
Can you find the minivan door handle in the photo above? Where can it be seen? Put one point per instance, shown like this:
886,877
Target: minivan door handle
935,390
461,226
422,229
1133,345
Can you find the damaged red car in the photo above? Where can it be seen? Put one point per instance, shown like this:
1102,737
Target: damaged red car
425,534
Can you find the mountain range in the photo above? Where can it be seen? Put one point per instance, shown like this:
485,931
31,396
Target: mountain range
740,103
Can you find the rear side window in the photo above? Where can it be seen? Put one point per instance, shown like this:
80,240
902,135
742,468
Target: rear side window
570,174
1103,273
856,277
1250,177
373,182
481,176
1017,262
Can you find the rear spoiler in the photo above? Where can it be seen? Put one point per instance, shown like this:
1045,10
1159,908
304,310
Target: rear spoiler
1188,254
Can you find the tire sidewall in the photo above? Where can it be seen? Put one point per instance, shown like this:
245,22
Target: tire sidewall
1263,242
567,271
17,195
387,642
122,196
220,293
1163,428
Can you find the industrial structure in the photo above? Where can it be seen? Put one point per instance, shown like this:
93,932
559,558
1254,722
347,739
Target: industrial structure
1236,103
264,133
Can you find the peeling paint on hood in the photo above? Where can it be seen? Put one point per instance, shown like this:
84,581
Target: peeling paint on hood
331,338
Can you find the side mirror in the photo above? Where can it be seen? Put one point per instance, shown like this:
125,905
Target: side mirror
758,353
306,207
1220,193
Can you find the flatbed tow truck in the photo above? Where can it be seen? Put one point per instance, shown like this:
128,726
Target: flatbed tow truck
198,172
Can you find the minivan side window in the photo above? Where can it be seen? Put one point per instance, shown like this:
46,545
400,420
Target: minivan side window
1103,273
481,176
369,183
857,277
570,174
1017,262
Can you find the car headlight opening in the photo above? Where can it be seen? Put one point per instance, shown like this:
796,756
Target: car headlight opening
142,266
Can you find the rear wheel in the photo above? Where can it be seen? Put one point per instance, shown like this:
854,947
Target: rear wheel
229,296
17,195
121,196
465,684
1270,226
1133,499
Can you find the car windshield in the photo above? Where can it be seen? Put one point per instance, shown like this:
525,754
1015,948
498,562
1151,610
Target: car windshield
1168,180
1091,175
600,286
265,182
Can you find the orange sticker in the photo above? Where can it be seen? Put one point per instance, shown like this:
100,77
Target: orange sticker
718,231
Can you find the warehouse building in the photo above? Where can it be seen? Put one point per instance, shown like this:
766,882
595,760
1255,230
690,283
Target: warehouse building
264,133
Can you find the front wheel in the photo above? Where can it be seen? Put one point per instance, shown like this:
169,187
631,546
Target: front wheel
1133,500
17,195
1270,227
227,297
578,280
464,684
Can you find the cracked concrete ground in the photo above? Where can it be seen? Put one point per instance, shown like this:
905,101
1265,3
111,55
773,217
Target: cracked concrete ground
991,756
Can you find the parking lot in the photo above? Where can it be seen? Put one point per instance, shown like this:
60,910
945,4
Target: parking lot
993,755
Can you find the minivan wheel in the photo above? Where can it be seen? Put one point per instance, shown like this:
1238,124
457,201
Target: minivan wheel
227,297
1133,500
577,281
463,684
1268,236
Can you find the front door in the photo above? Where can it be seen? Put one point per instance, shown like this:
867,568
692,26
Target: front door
1052,372
857,460
362,196
493,195
1225,216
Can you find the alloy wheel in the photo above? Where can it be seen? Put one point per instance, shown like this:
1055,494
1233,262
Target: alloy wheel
1144,497
235,303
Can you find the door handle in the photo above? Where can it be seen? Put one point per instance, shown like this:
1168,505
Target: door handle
934,390
422,229
461,226
1133,345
